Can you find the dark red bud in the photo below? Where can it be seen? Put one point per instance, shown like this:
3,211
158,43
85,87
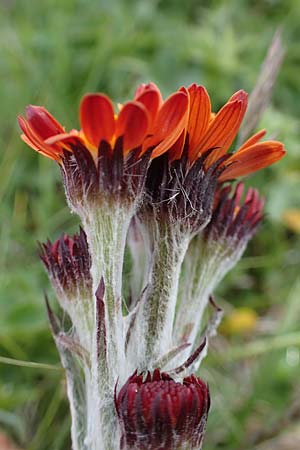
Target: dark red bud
156,412
68,262
233,217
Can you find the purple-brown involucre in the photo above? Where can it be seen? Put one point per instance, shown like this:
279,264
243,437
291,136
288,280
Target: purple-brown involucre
233,217
68,262
156,412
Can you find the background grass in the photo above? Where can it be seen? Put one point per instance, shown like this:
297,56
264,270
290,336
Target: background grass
52,52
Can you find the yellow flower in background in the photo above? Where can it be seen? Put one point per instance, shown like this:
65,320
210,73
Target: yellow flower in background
291,219
240,321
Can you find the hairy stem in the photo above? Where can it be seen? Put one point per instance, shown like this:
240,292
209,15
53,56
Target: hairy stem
207,262
156,315
106,230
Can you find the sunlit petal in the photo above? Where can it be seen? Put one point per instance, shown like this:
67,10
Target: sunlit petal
97,118
252,158
132,124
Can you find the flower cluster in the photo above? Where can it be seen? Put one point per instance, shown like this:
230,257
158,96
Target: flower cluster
155,175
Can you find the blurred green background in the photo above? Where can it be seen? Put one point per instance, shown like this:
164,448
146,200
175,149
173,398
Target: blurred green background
51,53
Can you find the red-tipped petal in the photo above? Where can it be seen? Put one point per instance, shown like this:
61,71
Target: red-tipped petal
252,159
144,87
152,100
170,122
97,118
132,124
65,139
223,128
42,122
239,95
200,112
35,142
253,139
41,150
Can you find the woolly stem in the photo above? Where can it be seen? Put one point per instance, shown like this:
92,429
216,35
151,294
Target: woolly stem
101,420
156,315
207,262
136,245
76,389
106,230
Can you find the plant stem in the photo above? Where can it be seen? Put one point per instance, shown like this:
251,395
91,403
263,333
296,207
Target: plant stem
106,230
156,315
207,262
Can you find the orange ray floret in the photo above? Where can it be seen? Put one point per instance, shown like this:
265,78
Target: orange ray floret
170,121
97,118
133,124
149,95
254,139
252,158
224,127
39,126
199,116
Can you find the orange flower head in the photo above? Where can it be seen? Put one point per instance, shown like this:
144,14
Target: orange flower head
207,131
181,183
143,123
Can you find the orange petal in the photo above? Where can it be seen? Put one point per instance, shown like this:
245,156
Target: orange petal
132,124
170,122
252,158
35,142
200,112
41,150
66,139
144,87
253,139
97,118
152,100
175,151
223,128
212,116
42,122
239,95
30,142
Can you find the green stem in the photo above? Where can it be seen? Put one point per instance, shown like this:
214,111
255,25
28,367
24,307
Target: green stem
30,364
206,264
101,418
106,230
156,316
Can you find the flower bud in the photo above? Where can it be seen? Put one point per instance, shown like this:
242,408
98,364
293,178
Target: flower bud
157,412
68,263
234,222
214,252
